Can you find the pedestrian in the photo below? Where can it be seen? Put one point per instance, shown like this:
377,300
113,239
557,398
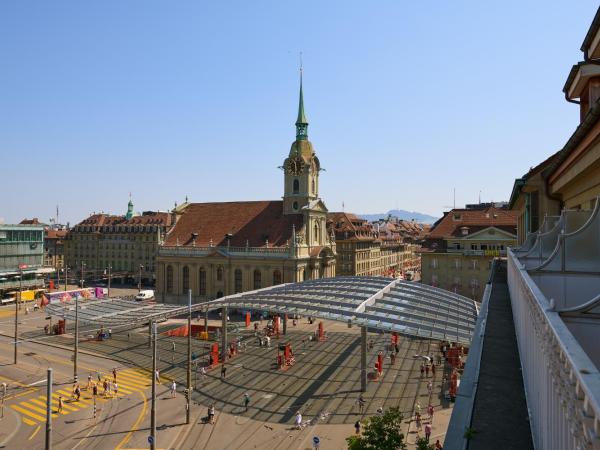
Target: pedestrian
422,369
211,414
393,357
99,376
439,360
357,427
418,420
95,390
433,369
109,333
77,392
418,407
397,348
114,372
223,371
430,387
246,401
105,386
89,383
157,376
361,403
116,390
430,412
298,420
202,372
173,389
426,370
371,344
438,446
427,431
60,404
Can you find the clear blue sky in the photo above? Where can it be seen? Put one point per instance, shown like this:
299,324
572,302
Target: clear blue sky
406,100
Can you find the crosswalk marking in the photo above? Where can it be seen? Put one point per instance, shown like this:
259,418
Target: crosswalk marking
28,413
33,411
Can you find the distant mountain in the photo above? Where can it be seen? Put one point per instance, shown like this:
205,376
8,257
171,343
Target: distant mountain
401,214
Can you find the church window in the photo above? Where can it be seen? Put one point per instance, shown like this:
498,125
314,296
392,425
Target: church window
296,186
202,282
276,277
295,205
314,191
169,278
237,280
257,279
316,237
186,278
219,273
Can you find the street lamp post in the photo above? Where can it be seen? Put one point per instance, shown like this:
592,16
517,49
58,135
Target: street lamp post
17,311
3,396
189,359
76,349
153,401
109,269
66,276
49,411
82,275
140,279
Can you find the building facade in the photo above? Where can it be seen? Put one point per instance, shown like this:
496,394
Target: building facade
218,249
387,247
126,245
459,248
21,257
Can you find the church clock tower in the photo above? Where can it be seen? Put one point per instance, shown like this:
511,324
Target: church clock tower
301,167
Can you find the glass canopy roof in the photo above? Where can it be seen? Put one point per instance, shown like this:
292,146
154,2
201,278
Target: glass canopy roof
378,303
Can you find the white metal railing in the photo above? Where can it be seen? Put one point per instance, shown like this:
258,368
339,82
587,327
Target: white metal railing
469,252
562,384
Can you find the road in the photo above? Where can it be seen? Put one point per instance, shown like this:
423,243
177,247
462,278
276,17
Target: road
323,384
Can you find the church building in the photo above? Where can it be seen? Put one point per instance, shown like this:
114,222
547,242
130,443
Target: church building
219,249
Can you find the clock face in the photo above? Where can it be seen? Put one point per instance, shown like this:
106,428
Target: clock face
295,166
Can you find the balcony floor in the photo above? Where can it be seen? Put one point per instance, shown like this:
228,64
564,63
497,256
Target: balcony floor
500,417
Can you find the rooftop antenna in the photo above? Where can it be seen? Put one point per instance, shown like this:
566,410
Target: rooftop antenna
480,196
454,202
342,206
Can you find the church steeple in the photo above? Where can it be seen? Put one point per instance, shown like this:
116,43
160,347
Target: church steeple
301,121
129,214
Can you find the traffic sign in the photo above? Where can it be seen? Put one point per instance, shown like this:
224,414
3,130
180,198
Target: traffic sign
150,440
316,441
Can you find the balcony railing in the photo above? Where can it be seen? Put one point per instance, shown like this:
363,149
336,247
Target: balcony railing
469,252
562,384
274,252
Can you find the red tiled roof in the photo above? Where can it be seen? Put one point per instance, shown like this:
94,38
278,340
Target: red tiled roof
33,221
348,226
148,218
55,234
253,222
448,226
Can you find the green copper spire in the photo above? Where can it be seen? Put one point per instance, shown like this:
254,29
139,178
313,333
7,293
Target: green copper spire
301,121
129,214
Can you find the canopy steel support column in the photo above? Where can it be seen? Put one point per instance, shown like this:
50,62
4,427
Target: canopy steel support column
363,359
149,334
224,334
284,324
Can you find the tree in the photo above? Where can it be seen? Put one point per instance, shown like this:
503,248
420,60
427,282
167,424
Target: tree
423,445
380,433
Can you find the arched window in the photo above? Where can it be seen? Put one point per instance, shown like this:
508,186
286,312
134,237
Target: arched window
296,186
185,276
238,280
169,279
314,191
257,279
276,277
219,273
317,238
202,282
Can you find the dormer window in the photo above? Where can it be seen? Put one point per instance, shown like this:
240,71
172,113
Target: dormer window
457,216
464,231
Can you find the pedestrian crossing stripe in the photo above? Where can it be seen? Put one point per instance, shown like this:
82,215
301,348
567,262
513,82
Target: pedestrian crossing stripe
33,411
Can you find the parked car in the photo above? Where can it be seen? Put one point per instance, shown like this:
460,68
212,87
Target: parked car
145,295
